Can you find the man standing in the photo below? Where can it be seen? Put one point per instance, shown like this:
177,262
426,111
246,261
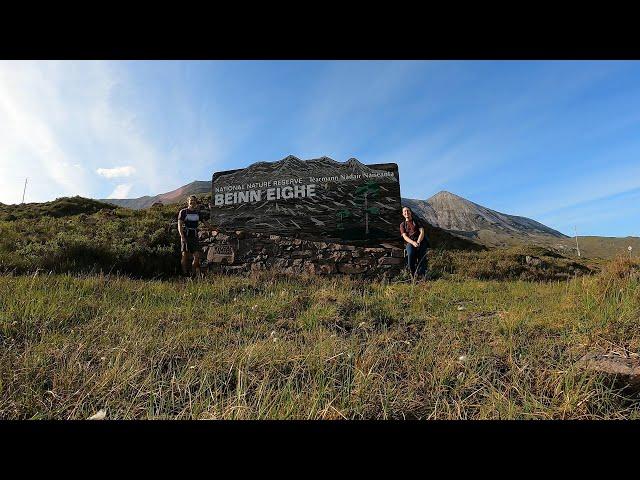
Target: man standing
188,219
412,232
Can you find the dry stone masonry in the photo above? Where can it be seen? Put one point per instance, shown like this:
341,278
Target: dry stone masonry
250,252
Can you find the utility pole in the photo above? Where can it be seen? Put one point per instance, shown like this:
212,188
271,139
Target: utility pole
577,246
25,188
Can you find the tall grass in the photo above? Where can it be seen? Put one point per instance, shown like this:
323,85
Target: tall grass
313,348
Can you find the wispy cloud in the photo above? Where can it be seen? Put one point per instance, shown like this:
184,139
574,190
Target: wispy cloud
59,121
121,191
27,136
116,172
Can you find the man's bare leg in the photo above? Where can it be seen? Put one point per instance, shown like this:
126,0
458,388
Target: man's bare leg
186,257
196,264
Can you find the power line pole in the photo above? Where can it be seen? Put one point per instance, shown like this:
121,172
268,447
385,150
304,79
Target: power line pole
25,188
577,246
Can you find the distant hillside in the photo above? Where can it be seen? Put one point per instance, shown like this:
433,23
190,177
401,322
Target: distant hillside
60,207
599,247
481,224
454,221
175,196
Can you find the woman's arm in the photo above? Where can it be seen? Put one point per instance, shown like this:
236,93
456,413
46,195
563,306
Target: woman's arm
408,240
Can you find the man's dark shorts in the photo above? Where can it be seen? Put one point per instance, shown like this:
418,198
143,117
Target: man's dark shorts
191,244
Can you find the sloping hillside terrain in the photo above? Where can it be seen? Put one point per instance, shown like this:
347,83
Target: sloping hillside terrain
599,247
175,196
444,211
465,218
457,221
82,235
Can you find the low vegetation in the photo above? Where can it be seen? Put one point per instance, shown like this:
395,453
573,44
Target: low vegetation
93,317
79,235
513,263
82,235
320,348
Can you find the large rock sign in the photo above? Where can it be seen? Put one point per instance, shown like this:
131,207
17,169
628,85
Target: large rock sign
318,199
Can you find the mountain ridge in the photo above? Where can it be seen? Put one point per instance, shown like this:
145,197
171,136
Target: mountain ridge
174,196
458,215
444,210
467,220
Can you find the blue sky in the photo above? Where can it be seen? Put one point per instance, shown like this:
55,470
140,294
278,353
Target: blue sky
555,141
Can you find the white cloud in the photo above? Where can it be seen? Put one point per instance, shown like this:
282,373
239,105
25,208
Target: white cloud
60,121
116,172
121,191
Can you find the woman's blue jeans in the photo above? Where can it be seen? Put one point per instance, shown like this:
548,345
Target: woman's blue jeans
417,258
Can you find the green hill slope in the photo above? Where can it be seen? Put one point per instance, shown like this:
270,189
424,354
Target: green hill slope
83,235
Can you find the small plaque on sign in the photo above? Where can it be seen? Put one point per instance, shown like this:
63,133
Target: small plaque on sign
221,253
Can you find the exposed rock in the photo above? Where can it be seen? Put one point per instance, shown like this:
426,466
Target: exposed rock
340,256
99,415
625,369
257,266
390,261
460,216
534,261
351,269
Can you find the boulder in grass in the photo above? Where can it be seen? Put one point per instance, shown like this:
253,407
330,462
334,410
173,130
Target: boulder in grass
534,261
625,369
99,415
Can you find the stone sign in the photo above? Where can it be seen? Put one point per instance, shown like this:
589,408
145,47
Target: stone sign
221,253
319,199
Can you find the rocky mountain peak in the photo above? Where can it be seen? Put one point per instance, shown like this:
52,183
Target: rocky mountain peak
444,197
291,159
445,194
457,214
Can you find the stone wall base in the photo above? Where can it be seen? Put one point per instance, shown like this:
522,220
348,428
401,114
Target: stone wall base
258,252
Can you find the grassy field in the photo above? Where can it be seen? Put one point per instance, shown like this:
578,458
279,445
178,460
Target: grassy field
607,247
314,348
